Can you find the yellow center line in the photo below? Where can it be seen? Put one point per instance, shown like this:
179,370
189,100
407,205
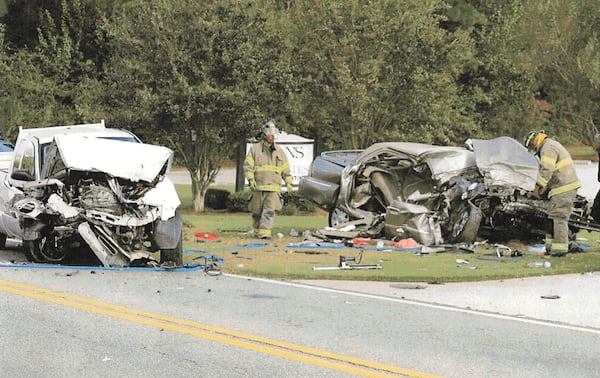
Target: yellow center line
251,342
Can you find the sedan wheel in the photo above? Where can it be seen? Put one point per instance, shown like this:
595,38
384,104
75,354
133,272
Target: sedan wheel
467,225
337,217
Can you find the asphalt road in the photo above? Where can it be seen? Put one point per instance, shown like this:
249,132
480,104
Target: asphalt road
72,323
80,322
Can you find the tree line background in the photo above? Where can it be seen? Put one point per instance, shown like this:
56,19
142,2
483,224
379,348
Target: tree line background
202,76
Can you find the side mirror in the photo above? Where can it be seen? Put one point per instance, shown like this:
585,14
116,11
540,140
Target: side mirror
22,175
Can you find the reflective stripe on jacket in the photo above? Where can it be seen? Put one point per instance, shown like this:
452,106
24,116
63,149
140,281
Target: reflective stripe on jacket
557,170
267,166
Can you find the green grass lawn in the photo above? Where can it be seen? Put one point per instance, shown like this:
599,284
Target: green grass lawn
582,152
282,258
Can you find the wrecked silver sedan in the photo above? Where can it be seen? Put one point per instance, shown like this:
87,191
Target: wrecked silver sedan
87,189
435,194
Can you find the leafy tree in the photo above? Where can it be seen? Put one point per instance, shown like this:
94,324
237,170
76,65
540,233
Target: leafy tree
565,51
49,81
194,74
497,86
377,70
23,19
2,7
24,96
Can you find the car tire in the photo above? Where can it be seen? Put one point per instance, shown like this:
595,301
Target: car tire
337,217
174,256
467,225
31,250
2,241
41,250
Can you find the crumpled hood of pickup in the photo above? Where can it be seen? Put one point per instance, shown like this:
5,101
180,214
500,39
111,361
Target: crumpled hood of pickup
131,161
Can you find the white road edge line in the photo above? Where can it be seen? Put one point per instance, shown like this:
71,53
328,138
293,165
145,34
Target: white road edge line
424,304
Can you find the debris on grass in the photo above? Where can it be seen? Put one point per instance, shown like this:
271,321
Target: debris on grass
462,266
343,265
408,285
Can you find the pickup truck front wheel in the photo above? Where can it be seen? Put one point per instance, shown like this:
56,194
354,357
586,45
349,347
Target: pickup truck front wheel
43,250
31,252
174,256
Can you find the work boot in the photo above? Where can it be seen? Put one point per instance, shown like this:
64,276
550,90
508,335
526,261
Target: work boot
264,233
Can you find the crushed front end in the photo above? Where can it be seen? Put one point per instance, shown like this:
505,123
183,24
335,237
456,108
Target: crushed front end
121,208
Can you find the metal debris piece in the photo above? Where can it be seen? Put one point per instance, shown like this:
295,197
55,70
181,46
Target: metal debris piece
468,266
550,296
432,249
461,248
312,252
506,259
245,257
408,285
502,250
343,265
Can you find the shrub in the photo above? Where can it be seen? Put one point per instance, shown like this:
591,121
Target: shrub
289,209
216,198
293,203
238,202
300,204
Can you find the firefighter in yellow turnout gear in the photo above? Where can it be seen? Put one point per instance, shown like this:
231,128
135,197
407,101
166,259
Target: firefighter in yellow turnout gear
557,179
265,166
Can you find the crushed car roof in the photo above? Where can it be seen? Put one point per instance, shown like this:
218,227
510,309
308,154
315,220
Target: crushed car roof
443,161
46,134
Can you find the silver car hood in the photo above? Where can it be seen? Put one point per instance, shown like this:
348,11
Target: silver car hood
131,161
504,162
444,162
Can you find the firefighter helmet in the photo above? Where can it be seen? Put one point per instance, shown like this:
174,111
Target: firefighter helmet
533,140
268,129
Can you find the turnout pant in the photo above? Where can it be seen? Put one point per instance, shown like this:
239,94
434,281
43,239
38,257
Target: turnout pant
559,209
262,206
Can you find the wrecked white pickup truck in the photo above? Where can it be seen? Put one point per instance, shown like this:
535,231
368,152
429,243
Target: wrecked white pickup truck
72,190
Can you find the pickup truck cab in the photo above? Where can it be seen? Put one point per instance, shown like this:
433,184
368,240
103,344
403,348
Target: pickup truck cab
81,188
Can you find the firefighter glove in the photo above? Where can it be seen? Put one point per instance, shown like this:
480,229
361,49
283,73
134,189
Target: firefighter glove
290,188
538,192
252,183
